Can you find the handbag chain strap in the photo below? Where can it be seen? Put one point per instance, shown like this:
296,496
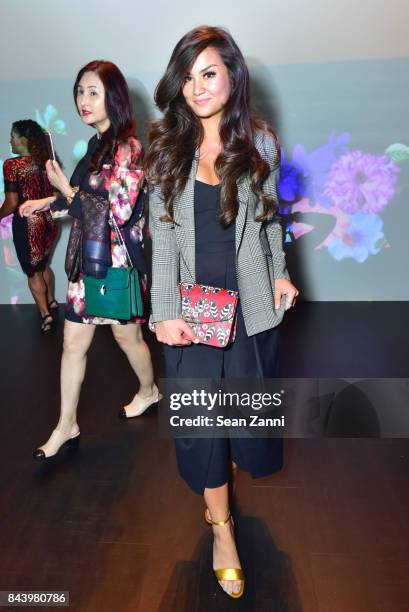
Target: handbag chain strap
121,240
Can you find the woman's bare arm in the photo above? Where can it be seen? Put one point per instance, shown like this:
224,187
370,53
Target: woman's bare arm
9,205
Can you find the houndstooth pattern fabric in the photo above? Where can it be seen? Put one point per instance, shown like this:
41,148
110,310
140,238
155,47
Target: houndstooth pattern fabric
173,249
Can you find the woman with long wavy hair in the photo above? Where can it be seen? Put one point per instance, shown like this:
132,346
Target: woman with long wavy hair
103,192
212,169
25,179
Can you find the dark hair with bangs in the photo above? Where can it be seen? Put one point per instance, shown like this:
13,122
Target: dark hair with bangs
175,137
118,107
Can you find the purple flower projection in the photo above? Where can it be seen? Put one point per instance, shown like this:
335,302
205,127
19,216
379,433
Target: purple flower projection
361,182
5,227
351,186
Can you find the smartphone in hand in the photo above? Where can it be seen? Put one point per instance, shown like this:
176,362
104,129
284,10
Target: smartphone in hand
50,145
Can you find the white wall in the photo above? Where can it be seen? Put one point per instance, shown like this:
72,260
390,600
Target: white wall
317,67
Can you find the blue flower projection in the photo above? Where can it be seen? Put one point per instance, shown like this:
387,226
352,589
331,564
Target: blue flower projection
80,148
363,237
49,120
350,185
308,171
292,184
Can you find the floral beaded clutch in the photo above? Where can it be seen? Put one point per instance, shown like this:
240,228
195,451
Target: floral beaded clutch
210,312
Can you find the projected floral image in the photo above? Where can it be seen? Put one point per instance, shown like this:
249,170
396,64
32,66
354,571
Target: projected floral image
79,150
348,187
49,120
351,186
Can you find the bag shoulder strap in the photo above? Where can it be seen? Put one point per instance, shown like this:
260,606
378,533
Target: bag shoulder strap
121,240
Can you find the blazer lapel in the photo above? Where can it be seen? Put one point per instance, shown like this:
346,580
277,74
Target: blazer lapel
185,221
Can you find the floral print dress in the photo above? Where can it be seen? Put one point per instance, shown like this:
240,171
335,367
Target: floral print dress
121,185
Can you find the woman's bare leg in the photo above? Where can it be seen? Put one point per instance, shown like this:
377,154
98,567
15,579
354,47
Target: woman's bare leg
130,339
224,546
77,340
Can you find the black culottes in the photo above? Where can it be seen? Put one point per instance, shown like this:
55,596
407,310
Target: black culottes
204,462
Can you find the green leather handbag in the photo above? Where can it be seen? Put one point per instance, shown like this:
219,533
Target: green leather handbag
118,295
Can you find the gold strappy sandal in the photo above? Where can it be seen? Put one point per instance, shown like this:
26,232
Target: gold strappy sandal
227,573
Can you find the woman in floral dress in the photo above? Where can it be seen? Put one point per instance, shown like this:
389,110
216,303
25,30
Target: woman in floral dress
122,188
111,175
25,178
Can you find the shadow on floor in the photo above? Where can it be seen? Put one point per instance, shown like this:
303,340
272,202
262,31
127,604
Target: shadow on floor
270,582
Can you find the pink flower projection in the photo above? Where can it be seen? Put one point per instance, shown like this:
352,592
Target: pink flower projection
5,227
361,182
351,186
342,221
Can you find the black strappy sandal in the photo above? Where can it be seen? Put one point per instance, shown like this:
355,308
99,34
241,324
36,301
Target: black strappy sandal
46,326
53,305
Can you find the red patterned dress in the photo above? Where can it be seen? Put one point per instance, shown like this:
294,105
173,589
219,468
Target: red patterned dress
33,236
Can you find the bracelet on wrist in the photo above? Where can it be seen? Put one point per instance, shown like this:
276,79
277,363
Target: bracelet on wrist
70,197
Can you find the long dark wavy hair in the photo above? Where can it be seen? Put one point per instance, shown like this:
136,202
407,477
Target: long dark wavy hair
118,107
36,142
175,137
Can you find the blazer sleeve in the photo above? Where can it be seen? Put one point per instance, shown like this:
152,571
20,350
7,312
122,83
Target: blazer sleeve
269,150
165,293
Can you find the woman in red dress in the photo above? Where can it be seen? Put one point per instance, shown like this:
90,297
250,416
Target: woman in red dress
25,179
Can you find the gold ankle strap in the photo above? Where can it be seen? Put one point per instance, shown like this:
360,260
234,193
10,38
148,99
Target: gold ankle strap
210,520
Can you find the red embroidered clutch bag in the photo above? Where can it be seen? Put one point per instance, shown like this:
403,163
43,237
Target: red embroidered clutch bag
210,312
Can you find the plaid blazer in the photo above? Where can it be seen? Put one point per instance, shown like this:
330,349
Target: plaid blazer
173,248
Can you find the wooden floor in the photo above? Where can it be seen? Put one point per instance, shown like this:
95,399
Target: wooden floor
114,525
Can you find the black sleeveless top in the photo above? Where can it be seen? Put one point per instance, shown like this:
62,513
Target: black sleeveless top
214,245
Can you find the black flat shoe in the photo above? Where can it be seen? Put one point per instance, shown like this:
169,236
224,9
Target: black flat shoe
59,439
141,404
122,412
